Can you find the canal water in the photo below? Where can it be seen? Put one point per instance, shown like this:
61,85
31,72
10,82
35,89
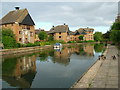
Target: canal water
49,68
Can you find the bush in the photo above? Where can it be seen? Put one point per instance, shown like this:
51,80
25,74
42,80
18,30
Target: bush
37,43
85,41
71,42
30,45
9,42
8,39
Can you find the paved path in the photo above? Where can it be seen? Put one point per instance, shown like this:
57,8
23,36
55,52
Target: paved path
103,74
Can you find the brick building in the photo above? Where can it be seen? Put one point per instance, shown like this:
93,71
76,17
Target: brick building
117,18
60,32
21,23
86,32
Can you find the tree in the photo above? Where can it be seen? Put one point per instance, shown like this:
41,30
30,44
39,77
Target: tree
8,38
106,36
98,36
81,37
42,35
115,32
50,38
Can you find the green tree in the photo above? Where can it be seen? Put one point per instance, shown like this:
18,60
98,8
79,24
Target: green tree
81,37
42,35
115,32
50,38
98,36
106,36
8,38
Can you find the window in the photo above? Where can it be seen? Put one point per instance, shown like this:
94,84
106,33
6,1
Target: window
26,38
59,36
31,34
60,52
5,25
59,32
21,68
20,39
23,27
20,32
28,27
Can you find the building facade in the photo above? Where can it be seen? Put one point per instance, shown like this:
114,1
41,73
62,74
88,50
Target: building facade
21,23
86,32
117,18
60,32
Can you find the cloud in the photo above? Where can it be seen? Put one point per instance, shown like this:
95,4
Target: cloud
75,14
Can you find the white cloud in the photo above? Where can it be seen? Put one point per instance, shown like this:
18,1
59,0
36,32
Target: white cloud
75,14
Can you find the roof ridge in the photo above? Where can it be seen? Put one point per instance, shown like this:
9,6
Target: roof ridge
19,20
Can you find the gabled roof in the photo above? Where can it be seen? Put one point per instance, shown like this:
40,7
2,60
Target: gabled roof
21,16
83,31
72,33
60,28
37,31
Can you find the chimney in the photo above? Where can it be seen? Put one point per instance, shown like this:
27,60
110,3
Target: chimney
17,8
64,24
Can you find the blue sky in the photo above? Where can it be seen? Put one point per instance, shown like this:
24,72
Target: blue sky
97,15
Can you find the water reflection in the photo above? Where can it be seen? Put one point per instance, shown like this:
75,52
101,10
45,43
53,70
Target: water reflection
20,71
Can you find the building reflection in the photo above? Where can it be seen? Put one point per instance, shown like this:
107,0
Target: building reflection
89,49
19,72
63,56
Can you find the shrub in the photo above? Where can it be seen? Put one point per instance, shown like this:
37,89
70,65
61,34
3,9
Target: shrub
85,41
71,42
8,39
37,43
30,45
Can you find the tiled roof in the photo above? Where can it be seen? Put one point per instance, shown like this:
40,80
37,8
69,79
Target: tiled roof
37,31
60,28
20,16
72,33
85,29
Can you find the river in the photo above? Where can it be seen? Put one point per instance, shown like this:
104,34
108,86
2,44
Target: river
49,68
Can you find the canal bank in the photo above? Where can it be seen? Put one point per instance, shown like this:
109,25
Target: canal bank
36,48
103,73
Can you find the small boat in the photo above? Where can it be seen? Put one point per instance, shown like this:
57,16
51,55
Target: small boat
57,45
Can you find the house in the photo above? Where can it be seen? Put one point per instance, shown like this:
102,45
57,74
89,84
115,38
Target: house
21,23
71,36
86,32
117,18
60,32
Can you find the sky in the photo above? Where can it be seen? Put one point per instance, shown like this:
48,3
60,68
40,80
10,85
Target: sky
97,15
